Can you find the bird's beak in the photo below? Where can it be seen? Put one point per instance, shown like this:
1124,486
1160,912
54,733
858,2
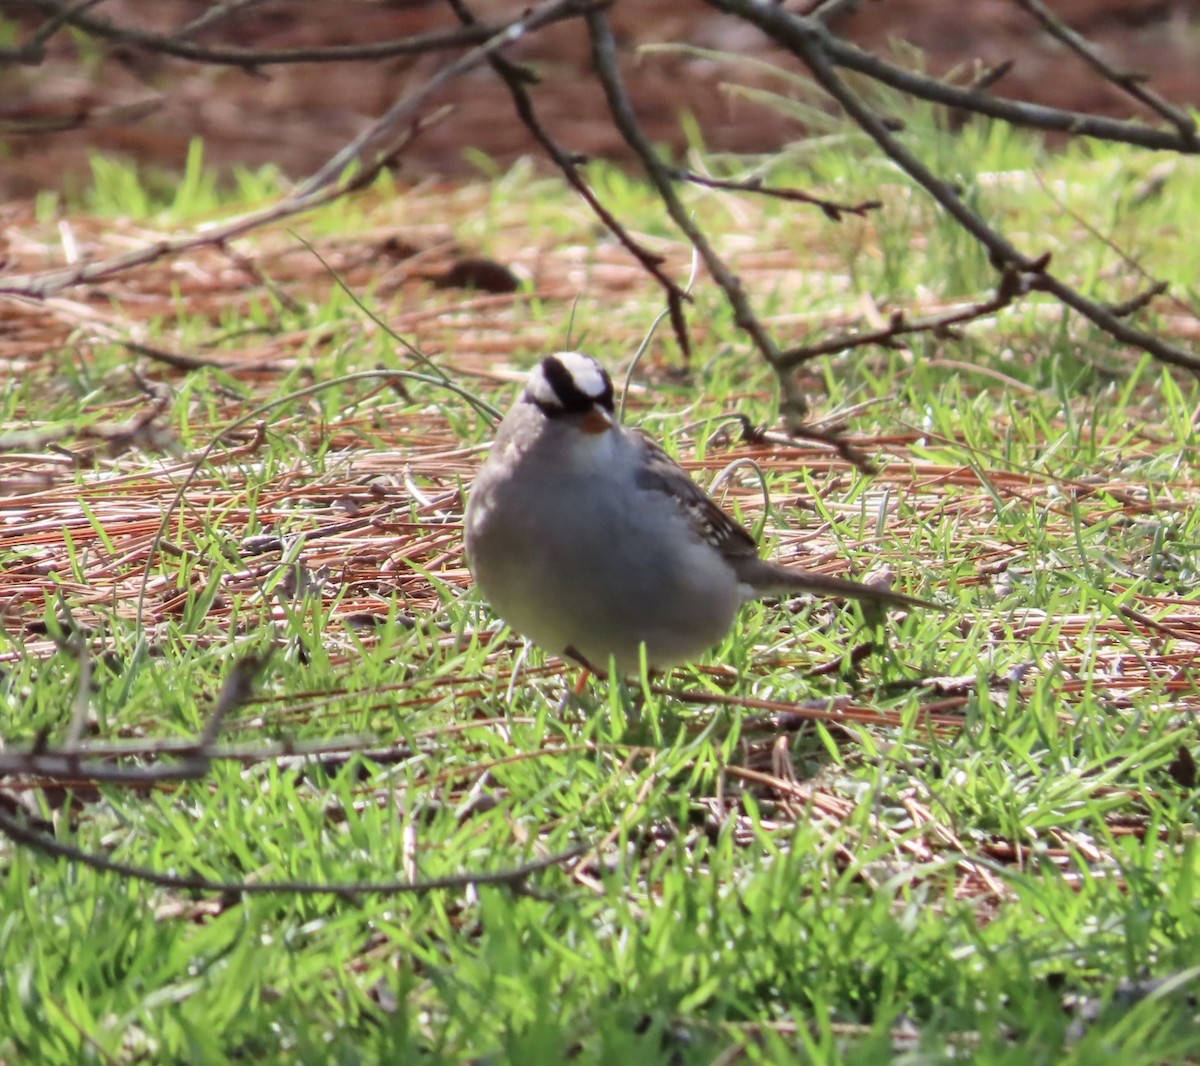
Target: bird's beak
597,421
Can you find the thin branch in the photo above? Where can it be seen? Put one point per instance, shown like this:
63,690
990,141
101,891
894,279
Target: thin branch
60,14
139,430
1127,82
77,763
92,762
604,62
797,33
19,832
81,118
195,762
515,79
235,692
829,10
51,282
813,47
993,74
831,208
387,129
1168,632
793,403
34,50
214,16
1011,285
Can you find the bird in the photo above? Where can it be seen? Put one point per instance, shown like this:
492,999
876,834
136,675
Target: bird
590,541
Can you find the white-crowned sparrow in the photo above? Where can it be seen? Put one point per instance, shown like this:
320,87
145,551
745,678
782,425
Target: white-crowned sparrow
587,538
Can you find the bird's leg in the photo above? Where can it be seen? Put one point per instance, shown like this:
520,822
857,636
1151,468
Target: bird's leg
581,682
577,690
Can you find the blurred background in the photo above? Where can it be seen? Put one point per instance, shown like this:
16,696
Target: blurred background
88,95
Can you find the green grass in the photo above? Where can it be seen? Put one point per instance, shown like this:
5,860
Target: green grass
987,885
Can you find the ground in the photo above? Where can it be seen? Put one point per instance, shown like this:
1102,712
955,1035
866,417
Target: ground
230,505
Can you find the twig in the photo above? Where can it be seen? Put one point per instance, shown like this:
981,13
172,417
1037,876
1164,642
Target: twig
34,50
235,692
92,762
1168,632
989,77
1125,81
215,15
1011,285
832,209
387,129
81,118
798,33
17,831
828,10
51,282
60,14
604,62
138,430
78,763
1154,287
515,79
812,44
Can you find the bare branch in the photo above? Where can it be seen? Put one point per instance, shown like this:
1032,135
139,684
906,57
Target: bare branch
1010,287
82,118
386,131
989,77
51,282
829,10
76,763
64,14
832,209
1125,81
214,16
604,62
34,50
16,829
793,403
73,766
820,51
515,79
139,430
797,34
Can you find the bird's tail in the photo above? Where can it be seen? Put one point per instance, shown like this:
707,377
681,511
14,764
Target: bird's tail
768,579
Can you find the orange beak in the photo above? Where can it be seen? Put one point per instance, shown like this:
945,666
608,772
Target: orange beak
596,421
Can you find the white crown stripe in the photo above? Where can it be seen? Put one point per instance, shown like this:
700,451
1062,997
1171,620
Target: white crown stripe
589,376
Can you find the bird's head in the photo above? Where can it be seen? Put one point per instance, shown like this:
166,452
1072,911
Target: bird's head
571,385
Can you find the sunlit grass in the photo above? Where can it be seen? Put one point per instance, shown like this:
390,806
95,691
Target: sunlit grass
918,854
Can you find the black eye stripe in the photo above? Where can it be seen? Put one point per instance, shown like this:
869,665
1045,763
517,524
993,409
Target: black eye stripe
569,398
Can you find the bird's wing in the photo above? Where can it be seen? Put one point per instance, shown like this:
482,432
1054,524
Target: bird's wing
660,473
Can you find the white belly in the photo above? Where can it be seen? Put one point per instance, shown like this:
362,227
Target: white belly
597,582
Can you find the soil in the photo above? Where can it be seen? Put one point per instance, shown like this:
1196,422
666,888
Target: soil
126,100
